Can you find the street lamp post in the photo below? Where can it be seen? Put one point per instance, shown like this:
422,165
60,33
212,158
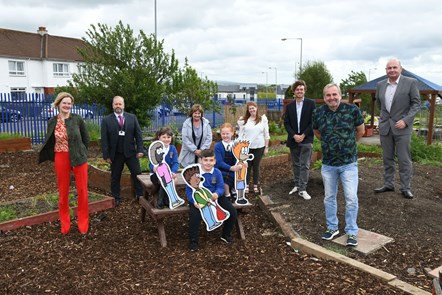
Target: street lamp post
267,80
276,81
155,19
300,56
369,70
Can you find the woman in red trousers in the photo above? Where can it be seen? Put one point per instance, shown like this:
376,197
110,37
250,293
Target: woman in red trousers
66,144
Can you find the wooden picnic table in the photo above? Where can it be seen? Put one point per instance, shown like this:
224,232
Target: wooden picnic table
148,205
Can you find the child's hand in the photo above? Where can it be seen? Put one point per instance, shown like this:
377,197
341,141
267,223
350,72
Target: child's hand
246,164
197,206
173,175
235,168
155,169
214,197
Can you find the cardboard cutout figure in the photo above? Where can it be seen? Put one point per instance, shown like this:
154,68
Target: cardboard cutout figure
211,212
240,151
156,158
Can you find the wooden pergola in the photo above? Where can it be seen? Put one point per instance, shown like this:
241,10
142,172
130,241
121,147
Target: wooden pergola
428,89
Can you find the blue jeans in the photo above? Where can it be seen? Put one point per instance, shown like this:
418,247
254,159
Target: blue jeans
349,178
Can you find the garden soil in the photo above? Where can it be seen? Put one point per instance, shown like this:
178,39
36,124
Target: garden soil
121,255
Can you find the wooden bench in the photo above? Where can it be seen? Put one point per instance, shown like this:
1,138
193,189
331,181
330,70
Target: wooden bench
437,285
148,202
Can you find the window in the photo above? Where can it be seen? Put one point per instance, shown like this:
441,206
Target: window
61,70
16,68
18,94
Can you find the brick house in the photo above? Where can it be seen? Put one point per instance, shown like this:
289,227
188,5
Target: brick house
36,62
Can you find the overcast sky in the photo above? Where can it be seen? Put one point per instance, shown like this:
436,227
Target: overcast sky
238,40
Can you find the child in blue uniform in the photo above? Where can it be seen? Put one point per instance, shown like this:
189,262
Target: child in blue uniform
225,161
165,135
213,181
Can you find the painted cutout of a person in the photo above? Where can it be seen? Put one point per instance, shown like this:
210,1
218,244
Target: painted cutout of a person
162,170
211,212
240,151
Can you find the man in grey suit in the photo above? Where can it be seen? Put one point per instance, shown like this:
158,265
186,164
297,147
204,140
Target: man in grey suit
122,142
398,100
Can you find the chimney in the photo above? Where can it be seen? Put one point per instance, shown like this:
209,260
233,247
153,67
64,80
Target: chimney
42,31
43,41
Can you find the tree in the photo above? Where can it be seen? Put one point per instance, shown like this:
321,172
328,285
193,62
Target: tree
189,89
119,63
355,79
316,76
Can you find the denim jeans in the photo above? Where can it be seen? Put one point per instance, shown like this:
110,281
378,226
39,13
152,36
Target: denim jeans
349,179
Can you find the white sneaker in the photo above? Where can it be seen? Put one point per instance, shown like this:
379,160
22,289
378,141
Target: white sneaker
305,195
294,190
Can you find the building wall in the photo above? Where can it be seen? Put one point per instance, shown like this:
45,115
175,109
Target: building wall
38,78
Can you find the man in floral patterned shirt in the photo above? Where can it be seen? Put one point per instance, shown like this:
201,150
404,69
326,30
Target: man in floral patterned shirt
338,126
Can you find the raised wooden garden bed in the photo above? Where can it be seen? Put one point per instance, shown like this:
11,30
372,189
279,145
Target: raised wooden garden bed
275,160
31,209
101,179
16,144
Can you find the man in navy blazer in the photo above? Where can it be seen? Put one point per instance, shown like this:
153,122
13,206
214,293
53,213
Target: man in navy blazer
298,123
122,142
398,100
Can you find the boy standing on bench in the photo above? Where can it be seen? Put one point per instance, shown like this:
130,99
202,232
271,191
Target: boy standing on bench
213,180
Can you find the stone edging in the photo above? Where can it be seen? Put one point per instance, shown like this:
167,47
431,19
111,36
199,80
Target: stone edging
310,248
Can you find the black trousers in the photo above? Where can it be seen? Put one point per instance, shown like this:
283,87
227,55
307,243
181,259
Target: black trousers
254,165
195,219
117,169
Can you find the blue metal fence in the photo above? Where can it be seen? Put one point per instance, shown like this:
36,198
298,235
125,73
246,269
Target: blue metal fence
28,115
160,119
29,118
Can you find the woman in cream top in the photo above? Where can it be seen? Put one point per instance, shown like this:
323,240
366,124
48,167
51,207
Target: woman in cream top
254,128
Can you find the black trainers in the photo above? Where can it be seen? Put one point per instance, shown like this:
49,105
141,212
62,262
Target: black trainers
228,239
233,197
351,240
194,246
330,234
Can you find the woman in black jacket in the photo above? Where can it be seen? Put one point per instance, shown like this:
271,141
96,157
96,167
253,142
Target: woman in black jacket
66,144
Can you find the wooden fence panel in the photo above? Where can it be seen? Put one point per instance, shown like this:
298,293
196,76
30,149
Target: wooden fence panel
232,116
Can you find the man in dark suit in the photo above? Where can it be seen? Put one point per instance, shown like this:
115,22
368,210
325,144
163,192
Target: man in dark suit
398,100
122,142
298,123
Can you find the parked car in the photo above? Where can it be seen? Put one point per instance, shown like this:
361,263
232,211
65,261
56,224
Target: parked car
162,111
9,115
48,113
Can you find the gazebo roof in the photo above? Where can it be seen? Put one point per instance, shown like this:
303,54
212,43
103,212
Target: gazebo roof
425,86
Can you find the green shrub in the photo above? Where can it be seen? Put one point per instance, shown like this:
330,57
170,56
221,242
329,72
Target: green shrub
103,165
7,213
93,129
423,153
144,163
369,148
4,135
277,151
275,129
317,165
280,137
316,145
